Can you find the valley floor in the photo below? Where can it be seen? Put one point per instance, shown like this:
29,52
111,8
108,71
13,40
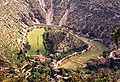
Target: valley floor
96,49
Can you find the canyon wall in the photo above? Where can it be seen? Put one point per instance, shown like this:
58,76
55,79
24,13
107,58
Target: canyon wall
94,18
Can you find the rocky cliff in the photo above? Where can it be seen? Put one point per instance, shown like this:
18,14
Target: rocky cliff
93,18
15,18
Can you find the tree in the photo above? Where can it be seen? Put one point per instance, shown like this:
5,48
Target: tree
116,34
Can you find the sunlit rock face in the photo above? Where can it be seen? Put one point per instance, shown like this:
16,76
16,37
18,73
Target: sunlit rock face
16,16
93,18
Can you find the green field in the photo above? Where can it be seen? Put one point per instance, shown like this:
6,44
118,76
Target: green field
35,39
80,59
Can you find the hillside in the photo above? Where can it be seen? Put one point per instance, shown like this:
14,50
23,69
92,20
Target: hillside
80,16
93,18
72,34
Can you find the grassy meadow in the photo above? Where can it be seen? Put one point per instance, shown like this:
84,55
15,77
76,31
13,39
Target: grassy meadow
35,39
80,59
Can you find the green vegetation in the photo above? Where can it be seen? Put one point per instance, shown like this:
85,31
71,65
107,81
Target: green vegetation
35,39
116,34
97,49
28,69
